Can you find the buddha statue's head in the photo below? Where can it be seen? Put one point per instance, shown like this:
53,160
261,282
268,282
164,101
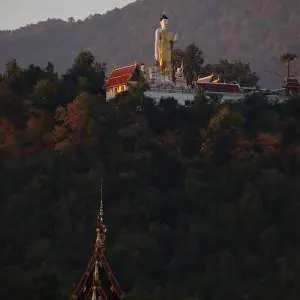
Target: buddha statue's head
163,21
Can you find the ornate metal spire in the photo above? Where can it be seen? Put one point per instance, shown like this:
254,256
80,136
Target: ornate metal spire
100,229
98,281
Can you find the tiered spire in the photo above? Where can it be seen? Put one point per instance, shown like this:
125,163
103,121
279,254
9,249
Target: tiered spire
100,229
98,281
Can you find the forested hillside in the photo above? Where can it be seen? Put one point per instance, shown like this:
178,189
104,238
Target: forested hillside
201,202
254,31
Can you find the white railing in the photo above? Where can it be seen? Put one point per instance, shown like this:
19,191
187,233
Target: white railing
172,90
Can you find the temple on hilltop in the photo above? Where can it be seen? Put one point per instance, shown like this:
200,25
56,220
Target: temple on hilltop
98,281
164,78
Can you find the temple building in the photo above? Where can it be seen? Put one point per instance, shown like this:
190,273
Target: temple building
98,281
120,79
162,83
166,78
291,86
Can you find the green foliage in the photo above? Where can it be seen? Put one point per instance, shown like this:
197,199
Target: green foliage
236,71
226,71
201,202
192,60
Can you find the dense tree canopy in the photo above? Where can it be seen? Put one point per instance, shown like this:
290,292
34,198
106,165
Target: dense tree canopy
201,202
192,61
235,71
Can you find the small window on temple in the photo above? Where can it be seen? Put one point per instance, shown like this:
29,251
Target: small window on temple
116,90
123,88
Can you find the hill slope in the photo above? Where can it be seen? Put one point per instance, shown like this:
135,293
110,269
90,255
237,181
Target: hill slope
201,201
255,31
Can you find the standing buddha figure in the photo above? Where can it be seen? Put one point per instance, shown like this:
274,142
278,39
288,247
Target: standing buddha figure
164,40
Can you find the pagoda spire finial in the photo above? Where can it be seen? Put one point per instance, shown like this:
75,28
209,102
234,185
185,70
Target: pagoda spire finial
100,229
98,281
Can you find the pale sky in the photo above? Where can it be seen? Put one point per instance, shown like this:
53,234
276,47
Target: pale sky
16,13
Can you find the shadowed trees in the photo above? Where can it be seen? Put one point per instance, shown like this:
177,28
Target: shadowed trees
192,61
201,201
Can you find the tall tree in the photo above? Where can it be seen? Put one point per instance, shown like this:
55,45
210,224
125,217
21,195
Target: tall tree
12,76
12,69
86,75
286,58
193,61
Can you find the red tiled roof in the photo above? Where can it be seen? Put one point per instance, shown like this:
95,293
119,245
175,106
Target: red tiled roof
220,87
120,76
291,82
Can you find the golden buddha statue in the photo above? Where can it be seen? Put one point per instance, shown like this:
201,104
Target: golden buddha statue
164,40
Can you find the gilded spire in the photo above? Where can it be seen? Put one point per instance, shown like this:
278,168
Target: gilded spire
101,229
94,295
98,281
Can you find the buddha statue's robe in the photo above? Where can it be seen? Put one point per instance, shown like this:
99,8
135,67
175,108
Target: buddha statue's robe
163,45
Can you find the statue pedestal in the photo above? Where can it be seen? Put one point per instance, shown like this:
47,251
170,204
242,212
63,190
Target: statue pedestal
183,96
160,88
